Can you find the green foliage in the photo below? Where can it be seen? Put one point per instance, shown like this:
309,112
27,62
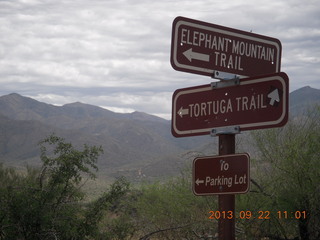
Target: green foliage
160,211
66,165
48,203
107,201
171,211
118,229
290,176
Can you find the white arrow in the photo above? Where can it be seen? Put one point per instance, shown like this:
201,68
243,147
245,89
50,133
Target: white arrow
183,111
274,97
194,55
198,181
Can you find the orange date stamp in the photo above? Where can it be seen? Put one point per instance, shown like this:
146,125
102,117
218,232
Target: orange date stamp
263,215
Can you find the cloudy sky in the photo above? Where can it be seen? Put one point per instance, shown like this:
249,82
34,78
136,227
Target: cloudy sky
116,53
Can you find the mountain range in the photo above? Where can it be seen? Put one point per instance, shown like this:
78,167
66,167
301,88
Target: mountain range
136,145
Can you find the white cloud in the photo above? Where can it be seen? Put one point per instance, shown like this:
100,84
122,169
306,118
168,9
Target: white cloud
117,53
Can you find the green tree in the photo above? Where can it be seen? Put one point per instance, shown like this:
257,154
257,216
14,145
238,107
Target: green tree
289,178
104,217
48,203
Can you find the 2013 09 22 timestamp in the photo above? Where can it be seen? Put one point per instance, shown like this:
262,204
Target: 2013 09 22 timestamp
264,215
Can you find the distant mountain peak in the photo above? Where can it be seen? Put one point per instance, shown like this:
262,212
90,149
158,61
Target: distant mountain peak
303,98
307,92
16,100
136,115
306,88
20,98
12,96
77,104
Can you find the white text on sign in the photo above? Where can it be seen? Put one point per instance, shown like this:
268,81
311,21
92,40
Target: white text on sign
239,104
226,52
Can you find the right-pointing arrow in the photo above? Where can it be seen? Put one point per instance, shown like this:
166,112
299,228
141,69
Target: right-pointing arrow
274,96
194,55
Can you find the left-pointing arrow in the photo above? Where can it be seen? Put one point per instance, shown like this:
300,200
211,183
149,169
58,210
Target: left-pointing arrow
198,181
183,111
194,55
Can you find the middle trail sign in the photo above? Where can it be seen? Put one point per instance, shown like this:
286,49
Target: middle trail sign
250,103
204,48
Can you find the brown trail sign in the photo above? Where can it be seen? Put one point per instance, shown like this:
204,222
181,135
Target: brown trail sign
226,107
224,174
204,48
251,103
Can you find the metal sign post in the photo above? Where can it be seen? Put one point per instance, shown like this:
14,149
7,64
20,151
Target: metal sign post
226,227
227,107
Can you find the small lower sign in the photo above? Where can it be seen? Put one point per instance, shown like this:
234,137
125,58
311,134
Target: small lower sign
225,174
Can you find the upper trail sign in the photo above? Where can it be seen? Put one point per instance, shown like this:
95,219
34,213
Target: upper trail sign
203,48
